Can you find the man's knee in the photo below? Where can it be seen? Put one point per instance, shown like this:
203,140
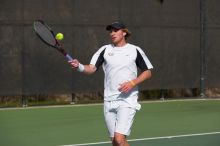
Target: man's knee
119,139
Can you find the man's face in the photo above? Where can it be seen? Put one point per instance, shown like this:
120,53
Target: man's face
117,35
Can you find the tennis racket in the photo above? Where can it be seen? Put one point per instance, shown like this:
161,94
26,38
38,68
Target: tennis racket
45,33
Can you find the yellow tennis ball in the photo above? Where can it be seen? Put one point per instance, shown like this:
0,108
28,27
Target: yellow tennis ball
59,36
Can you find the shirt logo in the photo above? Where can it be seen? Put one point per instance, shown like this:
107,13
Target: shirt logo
110,54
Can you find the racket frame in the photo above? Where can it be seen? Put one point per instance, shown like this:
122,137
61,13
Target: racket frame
57,45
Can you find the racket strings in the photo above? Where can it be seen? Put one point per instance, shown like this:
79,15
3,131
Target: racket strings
45,33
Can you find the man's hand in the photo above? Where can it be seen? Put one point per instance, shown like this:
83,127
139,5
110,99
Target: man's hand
126,87
74,63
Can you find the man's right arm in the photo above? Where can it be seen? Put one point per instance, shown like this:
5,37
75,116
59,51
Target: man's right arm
87,69
95,63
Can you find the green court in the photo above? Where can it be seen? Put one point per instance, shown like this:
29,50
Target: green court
163,123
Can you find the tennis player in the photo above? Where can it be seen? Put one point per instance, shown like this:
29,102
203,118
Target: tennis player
120,61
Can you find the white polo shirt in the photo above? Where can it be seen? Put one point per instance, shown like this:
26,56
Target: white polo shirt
120,65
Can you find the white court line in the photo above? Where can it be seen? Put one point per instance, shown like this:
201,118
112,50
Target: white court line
97,104
151,138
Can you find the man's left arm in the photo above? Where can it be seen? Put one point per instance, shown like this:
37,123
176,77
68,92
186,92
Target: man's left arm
127,86
142,77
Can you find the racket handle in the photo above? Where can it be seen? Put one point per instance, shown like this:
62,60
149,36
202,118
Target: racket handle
68,57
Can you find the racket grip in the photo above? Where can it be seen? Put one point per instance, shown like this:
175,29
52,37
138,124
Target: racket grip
68,57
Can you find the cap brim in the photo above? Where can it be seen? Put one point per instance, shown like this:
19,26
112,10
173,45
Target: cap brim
109,27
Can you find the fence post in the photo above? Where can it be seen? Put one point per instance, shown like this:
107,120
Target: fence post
202,47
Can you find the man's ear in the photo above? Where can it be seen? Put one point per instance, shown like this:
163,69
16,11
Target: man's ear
124,34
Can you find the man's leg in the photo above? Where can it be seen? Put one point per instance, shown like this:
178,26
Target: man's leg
119,140
124,121
113,142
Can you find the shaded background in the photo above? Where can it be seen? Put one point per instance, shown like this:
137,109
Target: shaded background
172,34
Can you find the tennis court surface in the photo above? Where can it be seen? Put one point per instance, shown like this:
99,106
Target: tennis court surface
165,123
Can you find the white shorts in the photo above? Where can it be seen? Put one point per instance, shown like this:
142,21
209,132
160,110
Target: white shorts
119,116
